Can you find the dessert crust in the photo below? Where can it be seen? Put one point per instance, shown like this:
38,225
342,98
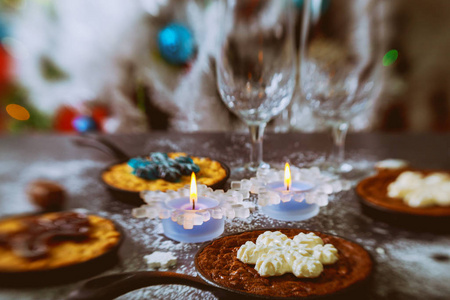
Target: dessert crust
120,176
102,236
373,190
218,263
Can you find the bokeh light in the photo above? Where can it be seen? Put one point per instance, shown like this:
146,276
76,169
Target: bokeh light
17,112
390,57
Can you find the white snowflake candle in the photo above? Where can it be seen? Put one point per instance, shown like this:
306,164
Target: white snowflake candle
192,215
293,194
289,199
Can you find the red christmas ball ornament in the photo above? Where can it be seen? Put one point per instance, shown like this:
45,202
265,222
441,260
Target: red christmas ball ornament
5,68
100,114
64,118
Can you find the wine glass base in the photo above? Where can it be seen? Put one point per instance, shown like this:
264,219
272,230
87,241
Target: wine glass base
338,169
346,170
248,170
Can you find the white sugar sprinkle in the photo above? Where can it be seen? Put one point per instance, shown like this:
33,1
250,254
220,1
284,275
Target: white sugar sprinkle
160,259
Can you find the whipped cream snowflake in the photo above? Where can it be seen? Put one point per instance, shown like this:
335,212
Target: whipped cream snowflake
274,254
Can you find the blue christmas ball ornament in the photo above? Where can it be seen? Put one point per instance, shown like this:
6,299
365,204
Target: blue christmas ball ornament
84,124
176,44
3,29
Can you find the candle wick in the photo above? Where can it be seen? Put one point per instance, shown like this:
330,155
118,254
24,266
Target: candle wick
287,187
193,205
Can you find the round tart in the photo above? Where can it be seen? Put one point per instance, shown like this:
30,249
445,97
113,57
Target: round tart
217,262
119,176
54,241
374,194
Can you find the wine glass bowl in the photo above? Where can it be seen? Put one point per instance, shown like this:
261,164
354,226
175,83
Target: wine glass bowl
256,64
255,82
340,64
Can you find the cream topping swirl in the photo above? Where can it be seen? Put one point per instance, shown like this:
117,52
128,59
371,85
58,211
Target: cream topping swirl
309,240
270,238
326,254
307,267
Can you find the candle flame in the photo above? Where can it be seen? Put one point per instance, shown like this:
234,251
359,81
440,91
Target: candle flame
287,177
193,195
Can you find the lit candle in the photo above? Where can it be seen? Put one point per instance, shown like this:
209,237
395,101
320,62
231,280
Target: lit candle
193,191
287,177
292,205
191,220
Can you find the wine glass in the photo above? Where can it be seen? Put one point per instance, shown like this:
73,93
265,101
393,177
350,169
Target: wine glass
256,65
340,63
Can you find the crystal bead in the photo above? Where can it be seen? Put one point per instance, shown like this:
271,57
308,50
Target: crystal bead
218,192
184,192
198,219
188,222
285,197
315,171
245,193
217,213
346,185
299,197
241,211
246,184
236,196
322,199
326,188
230,213
139,212
250,205
235,185
173,194
180,219
337,186
206,215
262,173
201,188
274,198
263,198
163,213
174,216
310,198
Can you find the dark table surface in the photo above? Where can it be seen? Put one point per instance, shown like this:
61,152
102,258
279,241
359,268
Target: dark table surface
406,264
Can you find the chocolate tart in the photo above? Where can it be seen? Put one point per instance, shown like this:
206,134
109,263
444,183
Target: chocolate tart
217,262
376,203
221,273
68,256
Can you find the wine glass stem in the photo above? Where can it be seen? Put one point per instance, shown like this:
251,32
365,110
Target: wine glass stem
256,154
339,132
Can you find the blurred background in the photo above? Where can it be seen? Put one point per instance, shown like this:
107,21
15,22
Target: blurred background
119,66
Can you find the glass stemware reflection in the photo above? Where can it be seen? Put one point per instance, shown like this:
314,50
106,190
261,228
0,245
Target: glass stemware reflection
256,65
340,65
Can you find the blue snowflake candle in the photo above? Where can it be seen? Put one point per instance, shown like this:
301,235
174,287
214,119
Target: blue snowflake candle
292,205
176,44
293,194
193,214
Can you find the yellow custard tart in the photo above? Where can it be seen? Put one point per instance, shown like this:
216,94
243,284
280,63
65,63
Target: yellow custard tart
121,176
